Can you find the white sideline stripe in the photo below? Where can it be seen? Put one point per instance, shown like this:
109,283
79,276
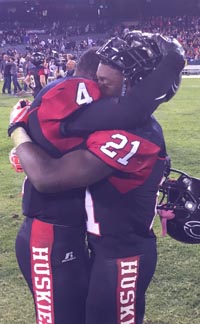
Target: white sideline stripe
197,76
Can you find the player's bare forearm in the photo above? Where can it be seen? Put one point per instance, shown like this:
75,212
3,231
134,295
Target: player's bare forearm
73,170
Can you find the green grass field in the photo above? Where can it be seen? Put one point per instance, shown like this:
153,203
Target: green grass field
174,296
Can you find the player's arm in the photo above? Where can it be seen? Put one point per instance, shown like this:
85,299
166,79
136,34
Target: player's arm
132,109
107,151
27,80
73,170
42,80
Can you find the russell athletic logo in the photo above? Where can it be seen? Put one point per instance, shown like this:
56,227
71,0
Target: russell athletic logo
69,256
41,276
126,290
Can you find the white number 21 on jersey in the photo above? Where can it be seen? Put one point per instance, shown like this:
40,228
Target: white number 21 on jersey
111,148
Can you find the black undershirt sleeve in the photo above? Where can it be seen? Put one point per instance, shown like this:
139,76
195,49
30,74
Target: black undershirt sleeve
131,110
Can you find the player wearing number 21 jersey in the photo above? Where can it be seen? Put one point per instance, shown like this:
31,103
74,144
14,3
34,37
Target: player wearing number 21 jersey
120,212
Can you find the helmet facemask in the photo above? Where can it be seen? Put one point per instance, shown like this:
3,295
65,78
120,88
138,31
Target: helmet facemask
134,59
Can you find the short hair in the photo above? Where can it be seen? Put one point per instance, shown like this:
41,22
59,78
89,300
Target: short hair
88,63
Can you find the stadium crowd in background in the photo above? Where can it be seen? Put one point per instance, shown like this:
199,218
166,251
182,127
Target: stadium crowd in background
64,37
59,39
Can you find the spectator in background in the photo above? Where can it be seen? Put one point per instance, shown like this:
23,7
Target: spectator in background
6,75
1,66
27,66
52,69
70,67
13,72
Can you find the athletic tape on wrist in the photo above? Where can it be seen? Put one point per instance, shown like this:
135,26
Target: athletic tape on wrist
19,136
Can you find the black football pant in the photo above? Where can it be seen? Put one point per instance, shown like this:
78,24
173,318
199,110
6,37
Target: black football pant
54,261
118,285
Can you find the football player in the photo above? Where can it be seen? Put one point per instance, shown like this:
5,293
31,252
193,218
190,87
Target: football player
52,236
36,79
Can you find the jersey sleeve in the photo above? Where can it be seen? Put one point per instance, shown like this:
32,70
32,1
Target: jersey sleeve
133,109
41,72
123,151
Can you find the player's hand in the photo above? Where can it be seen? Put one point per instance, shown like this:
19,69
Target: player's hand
14,160
165,215
168,44
19,115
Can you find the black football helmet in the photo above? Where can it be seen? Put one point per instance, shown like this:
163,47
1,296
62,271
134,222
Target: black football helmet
37,58
136,38
182,196
135,59
159,45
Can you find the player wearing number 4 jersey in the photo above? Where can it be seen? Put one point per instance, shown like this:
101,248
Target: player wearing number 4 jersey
52,236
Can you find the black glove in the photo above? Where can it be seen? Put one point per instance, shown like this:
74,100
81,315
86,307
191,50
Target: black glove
168,44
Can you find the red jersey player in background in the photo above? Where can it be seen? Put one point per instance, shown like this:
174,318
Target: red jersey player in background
37,77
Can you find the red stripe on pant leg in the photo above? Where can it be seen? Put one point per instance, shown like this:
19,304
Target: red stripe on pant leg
128,270
42,237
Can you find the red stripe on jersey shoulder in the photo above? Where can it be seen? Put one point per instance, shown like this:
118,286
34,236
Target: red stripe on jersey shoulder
60,102
124,151
127,152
